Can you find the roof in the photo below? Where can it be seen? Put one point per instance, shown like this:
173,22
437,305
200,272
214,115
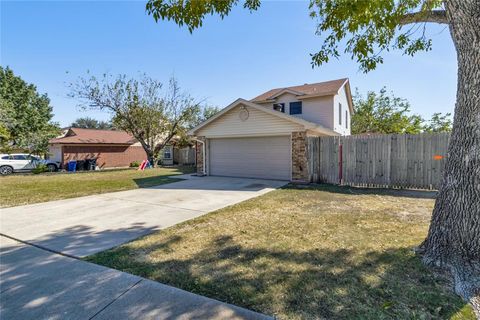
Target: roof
307,124
314,89
94,136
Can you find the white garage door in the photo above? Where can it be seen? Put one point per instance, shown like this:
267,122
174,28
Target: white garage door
262,157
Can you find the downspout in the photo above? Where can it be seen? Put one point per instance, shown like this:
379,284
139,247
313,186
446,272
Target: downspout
204,158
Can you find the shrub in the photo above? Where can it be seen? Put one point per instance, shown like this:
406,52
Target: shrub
40,169
134,164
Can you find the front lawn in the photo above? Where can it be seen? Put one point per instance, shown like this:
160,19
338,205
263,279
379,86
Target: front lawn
303,253
25,189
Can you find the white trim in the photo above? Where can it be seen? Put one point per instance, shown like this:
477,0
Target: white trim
284,91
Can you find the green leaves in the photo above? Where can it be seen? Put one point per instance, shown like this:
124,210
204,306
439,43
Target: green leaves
192,12
365,29
142,106
383,113
25,115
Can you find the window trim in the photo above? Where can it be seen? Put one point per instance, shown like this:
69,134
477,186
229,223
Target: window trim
168,150
346,119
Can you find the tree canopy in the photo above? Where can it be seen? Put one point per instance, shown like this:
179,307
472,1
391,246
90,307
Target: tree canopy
90,123
141,106
385,113
25,115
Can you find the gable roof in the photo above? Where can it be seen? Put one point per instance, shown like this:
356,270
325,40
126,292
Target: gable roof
240,101
94,136
314,89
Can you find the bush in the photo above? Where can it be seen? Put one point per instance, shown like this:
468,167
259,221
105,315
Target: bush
40,169
134,164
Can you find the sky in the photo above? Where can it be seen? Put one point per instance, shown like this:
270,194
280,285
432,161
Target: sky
52,43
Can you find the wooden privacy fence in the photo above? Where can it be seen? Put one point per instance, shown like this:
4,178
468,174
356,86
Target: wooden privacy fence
390,160
184,156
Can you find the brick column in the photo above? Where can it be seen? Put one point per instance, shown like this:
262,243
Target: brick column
199,155
299,157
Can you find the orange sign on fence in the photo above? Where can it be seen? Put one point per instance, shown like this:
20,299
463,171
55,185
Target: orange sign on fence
437,157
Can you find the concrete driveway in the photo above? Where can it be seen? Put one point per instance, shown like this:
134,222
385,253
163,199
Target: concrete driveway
82,226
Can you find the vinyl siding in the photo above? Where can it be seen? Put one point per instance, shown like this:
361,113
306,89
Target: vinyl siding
258,123
316,110
342,99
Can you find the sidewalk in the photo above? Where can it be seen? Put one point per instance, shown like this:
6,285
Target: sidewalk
39,284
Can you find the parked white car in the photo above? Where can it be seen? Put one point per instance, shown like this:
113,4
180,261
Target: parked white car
21,162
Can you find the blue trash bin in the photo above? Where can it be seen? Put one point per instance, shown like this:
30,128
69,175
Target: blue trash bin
72,166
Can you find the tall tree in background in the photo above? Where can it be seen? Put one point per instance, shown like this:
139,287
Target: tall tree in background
439,123
142,107
90,123
365,29
383,113
25,115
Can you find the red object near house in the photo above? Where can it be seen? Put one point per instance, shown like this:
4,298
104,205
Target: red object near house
110,148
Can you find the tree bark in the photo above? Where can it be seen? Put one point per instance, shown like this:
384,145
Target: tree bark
453,240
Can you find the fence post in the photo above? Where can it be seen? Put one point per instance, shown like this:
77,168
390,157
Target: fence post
340,162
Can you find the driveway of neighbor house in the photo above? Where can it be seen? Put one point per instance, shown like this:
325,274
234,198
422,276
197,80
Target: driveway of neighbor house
82,226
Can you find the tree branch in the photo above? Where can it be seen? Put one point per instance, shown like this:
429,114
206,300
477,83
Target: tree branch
435,16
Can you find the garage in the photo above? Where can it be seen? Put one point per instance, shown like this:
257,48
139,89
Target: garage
251,157
250,141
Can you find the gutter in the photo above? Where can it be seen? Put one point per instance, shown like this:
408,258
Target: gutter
204,173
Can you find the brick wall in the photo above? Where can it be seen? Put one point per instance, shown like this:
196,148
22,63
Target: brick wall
299,157
107,156
199,155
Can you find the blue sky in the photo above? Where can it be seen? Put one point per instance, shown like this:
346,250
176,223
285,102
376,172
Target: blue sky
52,43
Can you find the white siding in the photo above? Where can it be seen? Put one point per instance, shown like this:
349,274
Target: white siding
342,99
261,157
316,110
258,123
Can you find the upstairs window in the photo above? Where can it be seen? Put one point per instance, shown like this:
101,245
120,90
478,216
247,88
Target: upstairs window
279,107
296,107
340,114
346,119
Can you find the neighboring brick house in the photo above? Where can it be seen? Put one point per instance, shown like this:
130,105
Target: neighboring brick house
266,136
110,148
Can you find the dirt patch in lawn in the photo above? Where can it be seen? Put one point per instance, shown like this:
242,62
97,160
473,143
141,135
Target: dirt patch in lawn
303,253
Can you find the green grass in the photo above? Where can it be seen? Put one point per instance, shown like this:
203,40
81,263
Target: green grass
304,253
25,189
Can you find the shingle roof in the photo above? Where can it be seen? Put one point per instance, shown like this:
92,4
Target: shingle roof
94,136
320,88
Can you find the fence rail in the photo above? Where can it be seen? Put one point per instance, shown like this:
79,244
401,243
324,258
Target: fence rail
391,160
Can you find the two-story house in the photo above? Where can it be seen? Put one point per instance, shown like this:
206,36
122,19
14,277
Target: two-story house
266,137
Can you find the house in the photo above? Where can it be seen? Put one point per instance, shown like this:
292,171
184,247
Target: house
265,137
110,148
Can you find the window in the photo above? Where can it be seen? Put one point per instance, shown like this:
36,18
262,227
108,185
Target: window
19,157
346,119
296,107
167,153
340,114
279,107
6,157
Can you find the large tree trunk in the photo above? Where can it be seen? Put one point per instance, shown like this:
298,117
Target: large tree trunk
453,240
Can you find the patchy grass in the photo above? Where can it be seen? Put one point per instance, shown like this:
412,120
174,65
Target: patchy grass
25,189
303,253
